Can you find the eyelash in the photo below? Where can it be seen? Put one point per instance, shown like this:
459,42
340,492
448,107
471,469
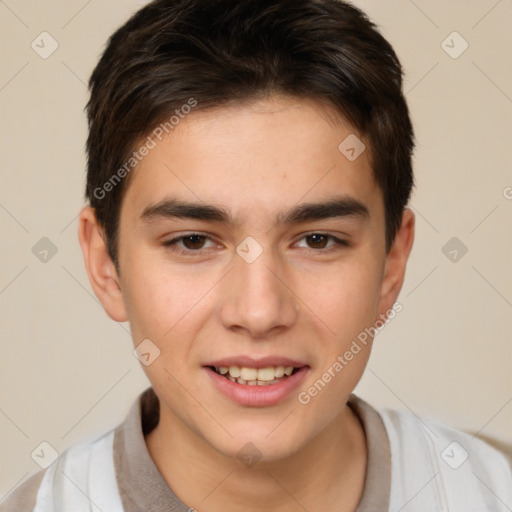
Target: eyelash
172,244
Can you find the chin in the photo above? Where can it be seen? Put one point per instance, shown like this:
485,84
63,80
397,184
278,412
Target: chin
260,444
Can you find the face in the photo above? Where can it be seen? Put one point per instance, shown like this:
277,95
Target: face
249,241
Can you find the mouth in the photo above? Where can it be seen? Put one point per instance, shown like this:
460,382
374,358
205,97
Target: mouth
257,382
267,376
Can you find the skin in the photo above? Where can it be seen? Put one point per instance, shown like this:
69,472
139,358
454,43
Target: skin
296,299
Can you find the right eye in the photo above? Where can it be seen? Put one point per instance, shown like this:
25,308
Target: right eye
189,243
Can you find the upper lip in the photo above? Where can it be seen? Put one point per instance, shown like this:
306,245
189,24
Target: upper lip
251,362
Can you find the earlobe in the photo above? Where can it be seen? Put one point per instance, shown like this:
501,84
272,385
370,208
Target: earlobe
100,268
396,261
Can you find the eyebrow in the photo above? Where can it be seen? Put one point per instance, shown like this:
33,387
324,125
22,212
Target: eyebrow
336,207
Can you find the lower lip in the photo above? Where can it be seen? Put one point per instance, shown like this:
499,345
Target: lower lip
258,396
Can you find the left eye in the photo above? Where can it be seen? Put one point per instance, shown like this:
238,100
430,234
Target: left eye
321,240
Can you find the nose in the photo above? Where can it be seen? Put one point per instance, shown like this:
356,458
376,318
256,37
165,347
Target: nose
257,298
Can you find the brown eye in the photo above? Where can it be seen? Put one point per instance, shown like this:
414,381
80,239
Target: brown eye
317,241
322,242
194,241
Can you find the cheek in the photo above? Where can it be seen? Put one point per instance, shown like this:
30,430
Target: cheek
162,301
345,298
348,305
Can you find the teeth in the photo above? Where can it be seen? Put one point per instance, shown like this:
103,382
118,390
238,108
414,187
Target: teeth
249,373
266,374
234,371
279,372
254,376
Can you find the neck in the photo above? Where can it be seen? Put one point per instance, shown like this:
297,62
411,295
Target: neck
326,474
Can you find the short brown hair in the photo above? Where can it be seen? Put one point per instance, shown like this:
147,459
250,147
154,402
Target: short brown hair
219,51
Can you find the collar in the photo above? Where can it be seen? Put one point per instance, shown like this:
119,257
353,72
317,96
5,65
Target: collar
142,487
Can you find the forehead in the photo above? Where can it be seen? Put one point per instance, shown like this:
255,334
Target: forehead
255,159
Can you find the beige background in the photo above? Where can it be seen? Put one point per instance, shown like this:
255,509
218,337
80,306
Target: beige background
68,372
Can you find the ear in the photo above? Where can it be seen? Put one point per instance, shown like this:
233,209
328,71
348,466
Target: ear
396,261
100,268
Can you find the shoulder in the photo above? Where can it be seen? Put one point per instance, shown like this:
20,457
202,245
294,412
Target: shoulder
456,467
23,497
82,473
404,426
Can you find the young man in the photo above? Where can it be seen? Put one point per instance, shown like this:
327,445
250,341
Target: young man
249,168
